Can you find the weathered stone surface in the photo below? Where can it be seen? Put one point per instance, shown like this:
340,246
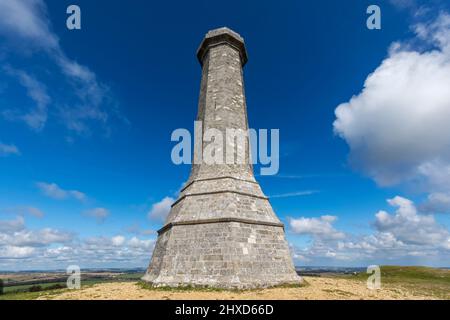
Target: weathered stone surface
226,255
222,231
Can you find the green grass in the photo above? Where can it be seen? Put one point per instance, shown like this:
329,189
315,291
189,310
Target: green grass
25,288
421,280
147,286
21,292
29,295
129,276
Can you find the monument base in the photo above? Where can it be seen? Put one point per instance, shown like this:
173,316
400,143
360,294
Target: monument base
229,255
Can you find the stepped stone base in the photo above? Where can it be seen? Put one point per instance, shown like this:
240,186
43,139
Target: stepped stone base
231,255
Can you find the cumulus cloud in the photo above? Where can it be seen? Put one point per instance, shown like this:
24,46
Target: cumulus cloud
403,236
8,149
397,126
14,252
104,251
52,190
100,214
26,26
118,240
49,249
437,203
13,233
410,227
8,226
43,237
318,227
160,210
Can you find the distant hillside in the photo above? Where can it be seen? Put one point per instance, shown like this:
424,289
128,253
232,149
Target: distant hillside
410,273
435,281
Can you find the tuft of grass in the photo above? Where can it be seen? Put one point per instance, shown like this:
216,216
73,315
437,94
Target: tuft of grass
184,288
302,284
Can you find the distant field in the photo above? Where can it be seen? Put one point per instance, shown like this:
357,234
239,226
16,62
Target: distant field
18,286
397,283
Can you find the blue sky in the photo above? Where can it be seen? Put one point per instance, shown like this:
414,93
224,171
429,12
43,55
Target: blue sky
86,117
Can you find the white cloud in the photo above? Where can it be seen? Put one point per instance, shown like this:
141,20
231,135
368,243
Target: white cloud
52,190
397,126
437,203
161,209
409,227
25,23
118,240
405,236
7,226
37,117
14,252
13,233
139,243
92,95
42,237
136,229
104,251
295,194
318,227
23,249
77,195
25,210
34,212
27,19
8,149
100,214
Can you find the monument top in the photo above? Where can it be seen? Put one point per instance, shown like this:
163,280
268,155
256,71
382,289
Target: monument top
220,36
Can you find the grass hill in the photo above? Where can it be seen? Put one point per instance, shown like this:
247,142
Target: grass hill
425,280
397,282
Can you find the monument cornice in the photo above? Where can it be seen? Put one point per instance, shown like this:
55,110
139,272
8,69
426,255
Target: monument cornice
216,192
218,220
216,178
223,38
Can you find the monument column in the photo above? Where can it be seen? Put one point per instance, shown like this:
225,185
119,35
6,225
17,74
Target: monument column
221,231
222,105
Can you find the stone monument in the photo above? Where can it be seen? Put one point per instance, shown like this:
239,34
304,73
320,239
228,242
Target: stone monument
221,231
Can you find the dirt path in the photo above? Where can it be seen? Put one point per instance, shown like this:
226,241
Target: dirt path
318,288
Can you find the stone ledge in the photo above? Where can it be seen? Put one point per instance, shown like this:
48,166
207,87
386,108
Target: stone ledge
216,192
218,220
216,178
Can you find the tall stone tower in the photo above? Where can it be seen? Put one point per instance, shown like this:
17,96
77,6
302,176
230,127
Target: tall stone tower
221,231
